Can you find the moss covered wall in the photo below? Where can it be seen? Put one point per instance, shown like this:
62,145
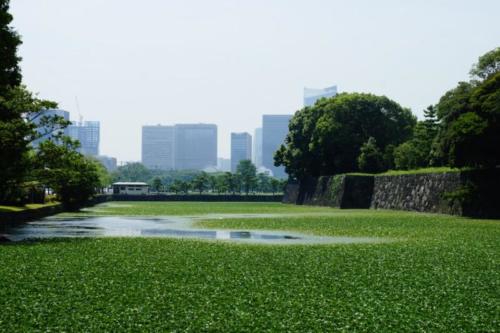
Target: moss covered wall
468,193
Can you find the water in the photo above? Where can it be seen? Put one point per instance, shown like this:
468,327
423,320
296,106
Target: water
173,227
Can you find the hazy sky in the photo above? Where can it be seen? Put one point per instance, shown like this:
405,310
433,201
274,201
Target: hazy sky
133,63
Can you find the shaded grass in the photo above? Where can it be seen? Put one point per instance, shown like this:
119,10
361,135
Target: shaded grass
443,275
408,172
10,209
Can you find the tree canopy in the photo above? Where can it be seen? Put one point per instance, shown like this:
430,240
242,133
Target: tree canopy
10,73
469,118
54,163
327,137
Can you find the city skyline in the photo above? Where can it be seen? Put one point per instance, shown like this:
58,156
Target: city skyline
209,62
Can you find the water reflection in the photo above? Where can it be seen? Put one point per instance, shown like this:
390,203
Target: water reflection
174,227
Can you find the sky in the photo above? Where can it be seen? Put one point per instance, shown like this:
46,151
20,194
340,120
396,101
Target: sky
128,63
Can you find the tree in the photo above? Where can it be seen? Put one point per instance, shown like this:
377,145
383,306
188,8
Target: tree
370,158
200,182
221,184
247,173
326,138
184,186
103,174
176,186
487,65
275,185
157,185
132,172
263,182
469,115
212,183
418,152
407,156
10,73
73,178
232,182
16,132
15,102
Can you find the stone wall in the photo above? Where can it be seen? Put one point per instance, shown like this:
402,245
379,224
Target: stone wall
342,191
468,193
418,192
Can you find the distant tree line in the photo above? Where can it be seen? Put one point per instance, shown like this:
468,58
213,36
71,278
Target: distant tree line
245,180
354,132
27,173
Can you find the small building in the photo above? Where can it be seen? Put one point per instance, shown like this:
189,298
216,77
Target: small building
131,188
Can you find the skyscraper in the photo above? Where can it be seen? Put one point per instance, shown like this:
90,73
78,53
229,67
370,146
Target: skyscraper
241,149
312,95
195,146
45,131
158,147
257,147
274,131
88,133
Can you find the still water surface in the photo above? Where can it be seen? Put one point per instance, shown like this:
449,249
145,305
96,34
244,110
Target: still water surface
168,226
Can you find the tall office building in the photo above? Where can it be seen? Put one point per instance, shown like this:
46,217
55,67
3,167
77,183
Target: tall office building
312,95
158,147
241,149
195,146
88,133
45,131
274,131
257,147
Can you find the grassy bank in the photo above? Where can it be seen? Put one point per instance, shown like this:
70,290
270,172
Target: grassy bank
410,172
148,208
28,207
440,273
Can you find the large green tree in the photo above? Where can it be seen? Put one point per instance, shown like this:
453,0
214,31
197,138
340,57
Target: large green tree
16,133
469,117
73,177
247,173
10,73
417,152
371,158
326,138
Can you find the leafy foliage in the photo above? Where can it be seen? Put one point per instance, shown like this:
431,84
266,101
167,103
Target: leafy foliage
371,159
326,139
74,178
200,182
10,73
487,65
247,173
470,122
418,151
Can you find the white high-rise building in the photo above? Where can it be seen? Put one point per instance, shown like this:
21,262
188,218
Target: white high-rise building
257,147
312,95
88,133
241,149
